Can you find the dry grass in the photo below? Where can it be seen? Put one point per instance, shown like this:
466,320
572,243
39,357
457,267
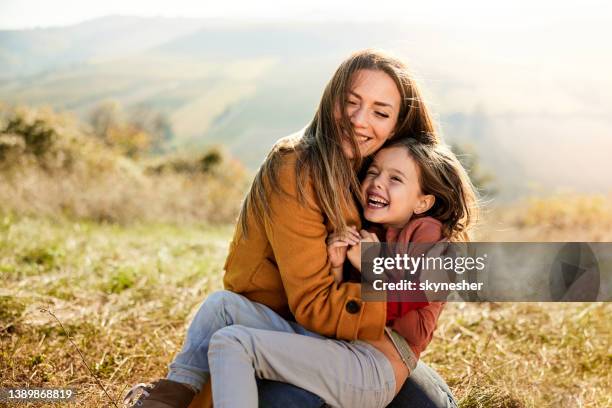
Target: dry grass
170,198
122,257
51,166
560,218
125,293
525,354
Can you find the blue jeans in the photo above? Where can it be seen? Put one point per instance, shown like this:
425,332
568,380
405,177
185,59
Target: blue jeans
274,394
222,309
424,388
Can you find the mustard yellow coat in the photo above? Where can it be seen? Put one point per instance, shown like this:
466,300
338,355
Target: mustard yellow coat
284,266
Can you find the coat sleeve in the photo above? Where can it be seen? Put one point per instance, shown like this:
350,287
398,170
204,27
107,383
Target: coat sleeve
297,234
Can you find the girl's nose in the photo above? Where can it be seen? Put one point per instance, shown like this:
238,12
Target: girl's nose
378,181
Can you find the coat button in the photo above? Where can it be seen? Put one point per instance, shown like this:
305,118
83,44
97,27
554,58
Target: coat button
353,307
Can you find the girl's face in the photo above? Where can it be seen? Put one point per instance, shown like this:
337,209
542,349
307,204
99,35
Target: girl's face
391,192
372,106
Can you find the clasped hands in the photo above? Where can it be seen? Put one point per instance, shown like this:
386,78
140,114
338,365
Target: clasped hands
341,246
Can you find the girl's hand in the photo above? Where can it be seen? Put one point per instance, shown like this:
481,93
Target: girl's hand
354,252
337,245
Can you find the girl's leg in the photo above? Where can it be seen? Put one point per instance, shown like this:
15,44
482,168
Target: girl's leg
221,309
343,374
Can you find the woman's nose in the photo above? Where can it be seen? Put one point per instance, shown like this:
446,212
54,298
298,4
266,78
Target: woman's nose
358,117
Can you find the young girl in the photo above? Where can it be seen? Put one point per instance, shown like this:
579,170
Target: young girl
418,193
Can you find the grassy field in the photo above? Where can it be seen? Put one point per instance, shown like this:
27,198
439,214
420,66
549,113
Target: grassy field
125,294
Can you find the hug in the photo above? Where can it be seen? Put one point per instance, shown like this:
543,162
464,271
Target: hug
290,329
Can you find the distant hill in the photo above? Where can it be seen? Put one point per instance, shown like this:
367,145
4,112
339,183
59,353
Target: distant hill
531,117
29,52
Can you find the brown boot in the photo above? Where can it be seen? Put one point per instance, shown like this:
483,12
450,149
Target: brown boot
160,394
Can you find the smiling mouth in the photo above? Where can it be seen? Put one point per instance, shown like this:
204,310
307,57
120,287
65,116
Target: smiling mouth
361,139
375,201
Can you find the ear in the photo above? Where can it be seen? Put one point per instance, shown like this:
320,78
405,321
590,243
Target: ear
424,203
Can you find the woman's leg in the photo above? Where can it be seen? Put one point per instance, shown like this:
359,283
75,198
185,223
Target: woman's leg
275,394
343,374
424,389
221,309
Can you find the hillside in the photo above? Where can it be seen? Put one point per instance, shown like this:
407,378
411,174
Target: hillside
515,95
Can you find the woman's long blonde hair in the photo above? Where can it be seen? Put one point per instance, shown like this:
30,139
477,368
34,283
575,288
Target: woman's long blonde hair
320,155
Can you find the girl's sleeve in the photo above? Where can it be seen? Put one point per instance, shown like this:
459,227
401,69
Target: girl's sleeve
425,232
297,234
417,324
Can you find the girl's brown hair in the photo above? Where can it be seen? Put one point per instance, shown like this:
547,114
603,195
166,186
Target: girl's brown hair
442,175
320,155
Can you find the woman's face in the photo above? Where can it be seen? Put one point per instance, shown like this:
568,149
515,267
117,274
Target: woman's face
372,105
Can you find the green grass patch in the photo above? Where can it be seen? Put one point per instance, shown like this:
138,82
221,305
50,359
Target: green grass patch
122,279
11,309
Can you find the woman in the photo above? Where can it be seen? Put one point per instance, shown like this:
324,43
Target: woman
304,191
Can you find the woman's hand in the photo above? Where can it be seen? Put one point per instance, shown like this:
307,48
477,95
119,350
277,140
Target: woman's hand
337,245
354,252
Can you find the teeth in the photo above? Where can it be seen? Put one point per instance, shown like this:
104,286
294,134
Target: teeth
362,139
377,201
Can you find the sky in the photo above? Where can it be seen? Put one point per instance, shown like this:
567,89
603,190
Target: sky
20,14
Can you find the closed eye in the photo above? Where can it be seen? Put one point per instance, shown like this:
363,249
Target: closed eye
382,114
